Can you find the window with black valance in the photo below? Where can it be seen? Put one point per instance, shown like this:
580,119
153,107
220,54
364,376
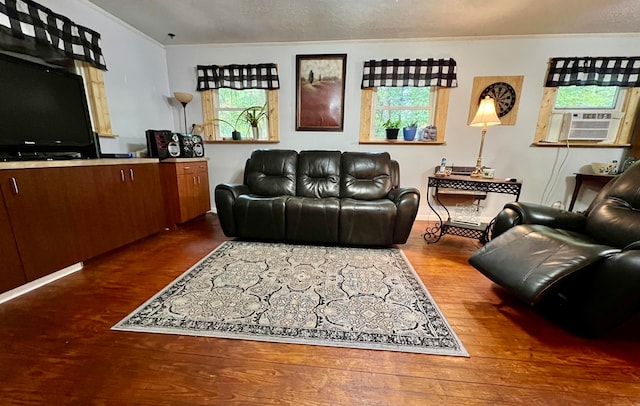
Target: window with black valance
29,28
410,72
238,77
587,71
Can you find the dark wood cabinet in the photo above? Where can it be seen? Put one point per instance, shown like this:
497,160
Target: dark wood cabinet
40,213
121,204
54,217
185,185
11,272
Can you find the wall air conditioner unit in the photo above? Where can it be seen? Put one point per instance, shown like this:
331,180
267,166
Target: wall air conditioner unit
587,126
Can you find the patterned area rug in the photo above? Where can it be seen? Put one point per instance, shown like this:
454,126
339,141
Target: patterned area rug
333,296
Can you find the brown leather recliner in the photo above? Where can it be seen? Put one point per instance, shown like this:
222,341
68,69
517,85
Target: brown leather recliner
580,269
330,197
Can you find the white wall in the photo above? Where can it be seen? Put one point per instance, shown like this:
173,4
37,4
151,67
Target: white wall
136,82
143,75
507,148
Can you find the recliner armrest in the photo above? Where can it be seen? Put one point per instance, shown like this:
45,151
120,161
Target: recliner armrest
516,213
407,201
235,189
225,197
396,194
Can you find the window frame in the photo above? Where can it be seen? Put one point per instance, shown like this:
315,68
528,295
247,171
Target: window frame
212,134
97,98
629,111
438,111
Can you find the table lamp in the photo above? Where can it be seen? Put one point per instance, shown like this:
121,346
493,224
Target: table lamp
485,116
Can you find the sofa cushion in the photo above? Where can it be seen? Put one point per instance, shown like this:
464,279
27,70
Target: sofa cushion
272,172
318,174
367,222
365,175
313,220
260,217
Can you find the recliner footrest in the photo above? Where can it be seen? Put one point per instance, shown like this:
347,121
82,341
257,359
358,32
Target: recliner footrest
529,268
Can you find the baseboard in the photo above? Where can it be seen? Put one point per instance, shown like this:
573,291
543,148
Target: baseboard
28,287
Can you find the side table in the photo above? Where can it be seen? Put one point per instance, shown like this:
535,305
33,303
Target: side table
587,178
467,183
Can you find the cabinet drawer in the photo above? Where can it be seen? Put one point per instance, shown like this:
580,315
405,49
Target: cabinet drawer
188,167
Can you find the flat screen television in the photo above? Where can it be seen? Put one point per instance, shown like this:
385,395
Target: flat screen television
43,113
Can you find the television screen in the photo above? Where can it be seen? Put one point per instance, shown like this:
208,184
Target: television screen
42,110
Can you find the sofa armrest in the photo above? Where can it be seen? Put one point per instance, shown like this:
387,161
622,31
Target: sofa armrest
515,213
407,201
225,197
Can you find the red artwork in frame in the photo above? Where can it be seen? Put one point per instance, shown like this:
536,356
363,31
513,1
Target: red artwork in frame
320,92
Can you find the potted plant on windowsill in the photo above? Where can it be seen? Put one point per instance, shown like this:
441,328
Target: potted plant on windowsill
252,115
409,132
391,128
235,134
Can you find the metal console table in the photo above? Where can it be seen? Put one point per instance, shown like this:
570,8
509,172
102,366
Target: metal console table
467,183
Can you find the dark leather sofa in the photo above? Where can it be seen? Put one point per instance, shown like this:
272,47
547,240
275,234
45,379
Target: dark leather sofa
330,197
579,269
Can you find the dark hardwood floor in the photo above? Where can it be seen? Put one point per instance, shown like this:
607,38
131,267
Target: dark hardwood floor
56,345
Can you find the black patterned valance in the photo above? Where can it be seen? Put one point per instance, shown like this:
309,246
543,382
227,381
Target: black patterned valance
239,77
607,71
410,72
27,27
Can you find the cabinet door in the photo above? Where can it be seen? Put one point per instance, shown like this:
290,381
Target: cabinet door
145,197
38,204
193,189
102,225
203,197
127,205
11,272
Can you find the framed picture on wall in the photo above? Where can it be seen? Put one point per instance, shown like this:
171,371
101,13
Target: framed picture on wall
320,92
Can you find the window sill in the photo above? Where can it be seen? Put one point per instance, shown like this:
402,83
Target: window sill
578,145
400,141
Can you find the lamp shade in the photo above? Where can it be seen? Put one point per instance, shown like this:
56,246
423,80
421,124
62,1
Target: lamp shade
486,115
183,97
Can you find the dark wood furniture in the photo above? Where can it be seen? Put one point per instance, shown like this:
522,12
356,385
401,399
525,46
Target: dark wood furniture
185,185
600,180
467,184
59,213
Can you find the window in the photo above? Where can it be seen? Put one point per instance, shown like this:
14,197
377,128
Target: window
408,105
231,104
222,108
408,91
589,102
587,97
228,91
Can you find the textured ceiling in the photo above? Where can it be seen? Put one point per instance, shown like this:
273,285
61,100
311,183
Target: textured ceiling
252,21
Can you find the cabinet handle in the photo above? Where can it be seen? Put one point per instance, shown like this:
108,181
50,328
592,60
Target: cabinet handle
131,173
199,179
122,174
186,167
194,180
14,185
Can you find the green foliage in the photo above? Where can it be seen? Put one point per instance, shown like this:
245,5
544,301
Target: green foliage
240,108
252,115
391,124
404,105
585,97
